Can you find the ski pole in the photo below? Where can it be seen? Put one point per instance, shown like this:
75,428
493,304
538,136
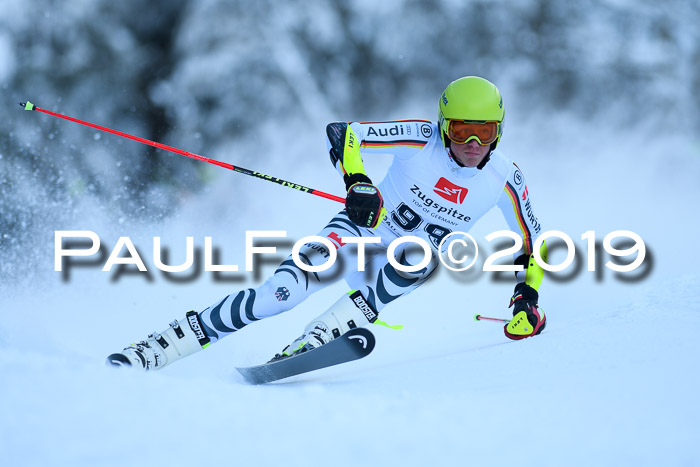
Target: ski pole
478,317
29,106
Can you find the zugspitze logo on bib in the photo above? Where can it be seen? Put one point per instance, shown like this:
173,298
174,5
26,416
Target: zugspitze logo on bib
450,191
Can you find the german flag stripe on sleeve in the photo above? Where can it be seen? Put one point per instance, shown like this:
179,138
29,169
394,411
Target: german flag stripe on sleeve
391,144
517,209
398,121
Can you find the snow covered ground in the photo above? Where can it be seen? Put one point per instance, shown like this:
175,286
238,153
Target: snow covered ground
612,381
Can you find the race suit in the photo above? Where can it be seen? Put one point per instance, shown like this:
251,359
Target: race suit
426,194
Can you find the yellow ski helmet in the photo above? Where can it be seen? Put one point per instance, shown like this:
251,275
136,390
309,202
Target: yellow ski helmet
471,108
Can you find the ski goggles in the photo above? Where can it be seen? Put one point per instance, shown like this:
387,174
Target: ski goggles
461,131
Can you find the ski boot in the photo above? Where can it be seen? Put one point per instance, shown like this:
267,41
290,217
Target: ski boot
181,339
347,313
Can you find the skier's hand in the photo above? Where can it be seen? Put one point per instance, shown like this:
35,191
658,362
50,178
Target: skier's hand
364,203
528,319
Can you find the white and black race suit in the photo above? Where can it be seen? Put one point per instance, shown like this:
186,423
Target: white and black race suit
426,193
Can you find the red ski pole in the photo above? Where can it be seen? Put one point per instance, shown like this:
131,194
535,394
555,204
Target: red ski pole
29,106
478,317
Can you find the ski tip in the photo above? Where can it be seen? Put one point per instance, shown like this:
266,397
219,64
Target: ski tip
117,360
363,339
27,105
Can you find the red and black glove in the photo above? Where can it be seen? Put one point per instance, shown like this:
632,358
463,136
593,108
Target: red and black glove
364,202
528,319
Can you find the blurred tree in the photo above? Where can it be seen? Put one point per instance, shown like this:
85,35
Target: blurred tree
209,75
95,61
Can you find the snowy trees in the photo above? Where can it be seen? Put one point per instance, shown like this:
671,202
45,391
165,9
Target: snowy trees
212,75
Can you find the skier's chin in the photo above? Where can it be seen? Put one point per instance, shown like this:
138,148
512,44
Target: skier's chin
471,161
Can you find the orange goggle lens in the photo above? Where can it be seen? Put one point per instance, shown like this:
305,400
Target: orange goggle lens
485,132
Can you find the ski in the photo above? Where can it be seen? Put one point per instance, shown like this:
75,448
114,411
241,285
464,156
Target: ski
353,345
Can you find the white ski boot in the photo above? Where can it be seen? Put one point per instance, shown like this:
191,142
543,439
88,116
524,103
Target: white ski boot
349,312
181,339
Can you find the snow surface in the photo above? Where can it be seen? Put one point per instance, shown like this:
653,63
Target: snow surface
612,381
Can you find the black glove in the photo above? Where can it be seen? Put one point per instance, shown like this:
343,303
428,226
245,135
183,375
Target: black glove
524,297
528,320
364,202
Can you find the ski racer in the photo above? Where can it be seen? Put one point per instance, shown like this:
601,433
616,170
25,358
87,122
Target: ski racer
443,178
